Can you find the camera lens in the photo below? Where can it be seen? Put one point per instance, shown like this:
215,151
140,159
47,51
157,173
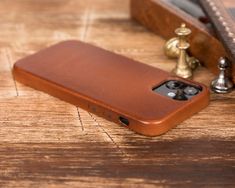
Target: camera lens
191,91
171,94
173,84
180,95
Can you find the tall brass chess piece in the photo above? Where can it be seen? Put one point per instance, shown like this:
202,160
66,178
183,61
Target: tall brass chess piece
177,48
182,68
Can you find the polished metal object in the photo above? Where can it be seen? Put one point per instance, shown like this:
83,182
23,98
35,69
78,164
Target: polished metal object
172,51
222,84
182,68
170,48
193,62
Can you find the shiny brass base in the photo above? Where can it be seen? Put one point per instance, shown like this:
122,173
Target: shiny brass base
184,73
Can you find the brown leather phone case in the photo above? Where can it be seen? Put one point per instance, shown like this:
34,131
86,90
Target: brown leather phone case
109,85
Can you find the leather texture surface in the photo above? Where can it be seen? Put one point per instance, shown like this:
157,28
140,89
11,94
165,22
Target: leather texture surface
163,18
221,14
232,12
107,84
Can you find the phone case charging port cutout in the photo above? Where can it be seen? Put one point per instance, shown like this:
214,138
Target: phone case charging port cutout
124,121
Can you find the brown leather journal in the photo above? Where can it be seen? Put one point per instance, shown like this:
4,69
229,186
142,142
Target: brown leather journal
164,16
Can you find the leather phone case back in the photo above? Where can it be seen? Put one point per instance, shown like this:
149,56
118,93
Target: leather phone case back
108,85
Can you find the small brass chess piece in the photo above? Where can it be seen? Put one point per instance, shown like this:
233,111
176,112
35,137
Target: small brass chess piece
222,84
182,68
172,51
170,48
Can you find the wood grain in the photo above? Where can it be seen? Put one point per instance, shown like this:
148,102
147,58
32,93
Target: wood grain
45,142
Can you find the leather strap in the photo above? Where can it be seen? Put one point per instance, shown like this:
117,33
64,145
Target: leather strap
221,15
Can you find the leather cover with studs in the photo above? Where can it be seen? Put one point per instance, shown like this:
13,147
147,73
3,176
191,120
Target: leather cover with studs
222,16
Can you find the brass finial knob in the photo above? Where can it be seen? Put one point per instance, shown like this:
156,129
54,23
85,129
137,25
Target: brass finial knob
183,31
182,68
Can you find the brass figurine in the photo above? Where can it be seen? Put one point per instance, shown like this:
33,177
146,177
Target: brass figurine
223,83
170,48
192,62
172,51
182,68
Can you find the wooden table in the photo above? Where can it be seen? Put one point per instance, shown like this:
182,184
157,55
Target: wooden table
45,142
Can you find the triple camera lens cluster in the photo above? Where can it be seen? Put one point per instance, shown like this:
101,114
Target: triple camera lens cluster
178,90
